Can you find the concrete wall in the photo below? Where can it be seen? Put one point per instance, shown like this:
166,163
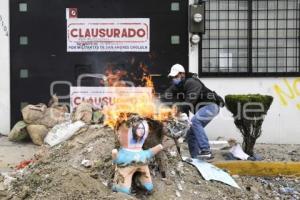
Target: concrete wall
4,68
281,124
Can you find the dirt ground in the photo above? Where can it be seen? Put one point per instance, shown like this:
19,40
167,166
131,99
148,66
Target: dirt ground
58,174
12,153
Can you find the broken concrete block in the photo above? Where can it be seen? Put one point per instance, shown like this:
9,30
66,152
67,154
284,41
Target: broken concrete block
87,163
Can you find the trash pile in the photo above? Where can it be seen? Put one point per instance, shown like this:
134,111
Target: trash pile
81,168
75,161
37,121
53,124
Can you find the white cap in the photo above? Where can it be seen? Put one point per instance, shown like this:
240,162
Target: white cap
176,69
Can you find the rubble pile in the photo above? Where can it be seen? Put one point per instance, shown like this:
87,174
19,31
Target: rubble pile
81,168
60,172
38,120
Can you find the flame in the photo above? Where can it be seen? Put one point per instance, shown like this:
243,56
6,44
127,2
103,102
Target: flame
143,105
148,81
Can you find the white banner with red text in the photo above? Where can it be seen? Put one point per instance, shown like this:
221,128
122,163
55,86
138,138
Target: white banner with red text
108,35
110,96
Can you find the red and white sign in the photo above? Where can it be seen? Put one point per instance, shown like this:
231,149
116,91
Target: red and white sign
71,13
110,96
108,35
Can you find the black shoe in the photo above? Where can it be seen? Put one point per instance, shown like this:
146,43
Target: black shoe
205,155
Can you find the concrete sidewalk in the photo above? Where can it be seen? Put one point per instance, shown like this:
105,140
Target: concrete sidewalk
12,153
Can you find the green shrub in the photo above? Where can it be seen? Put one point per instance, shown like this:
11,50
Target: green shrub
249,112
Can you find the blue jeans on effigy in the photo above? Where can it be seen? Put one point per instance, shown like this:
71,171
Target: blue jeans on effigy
197,138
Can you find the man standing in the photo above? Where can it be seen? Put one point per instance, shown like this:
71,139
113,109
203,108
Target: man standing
192,95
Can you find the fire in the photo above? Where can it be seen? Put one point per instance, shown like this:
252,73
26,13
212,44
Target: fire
148,81
143,105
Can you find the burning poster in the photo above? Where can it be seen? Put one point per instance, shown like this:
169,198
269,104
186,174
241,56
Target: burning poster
114,101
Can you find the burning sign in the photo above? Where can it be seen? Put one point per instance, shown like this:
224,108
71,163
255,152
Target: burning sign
100,97
108,35
114,101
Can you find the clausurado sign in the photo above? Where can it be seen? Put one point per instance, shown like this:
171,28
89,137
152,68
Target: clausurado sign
110,96
108,35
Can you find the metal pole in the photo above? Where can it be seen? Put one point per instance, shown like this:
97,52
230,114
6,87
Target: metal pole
249,36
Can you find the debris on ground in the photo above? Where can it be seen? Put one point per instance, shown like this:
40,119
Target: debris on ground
59,174
211,172
23,164
18,132
79,165
63,132
37,133
237,151
83,112
38,120
87,163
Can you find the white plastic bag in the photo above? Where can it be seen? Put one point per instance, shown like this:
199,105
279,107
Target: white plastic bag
238,152
62,132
